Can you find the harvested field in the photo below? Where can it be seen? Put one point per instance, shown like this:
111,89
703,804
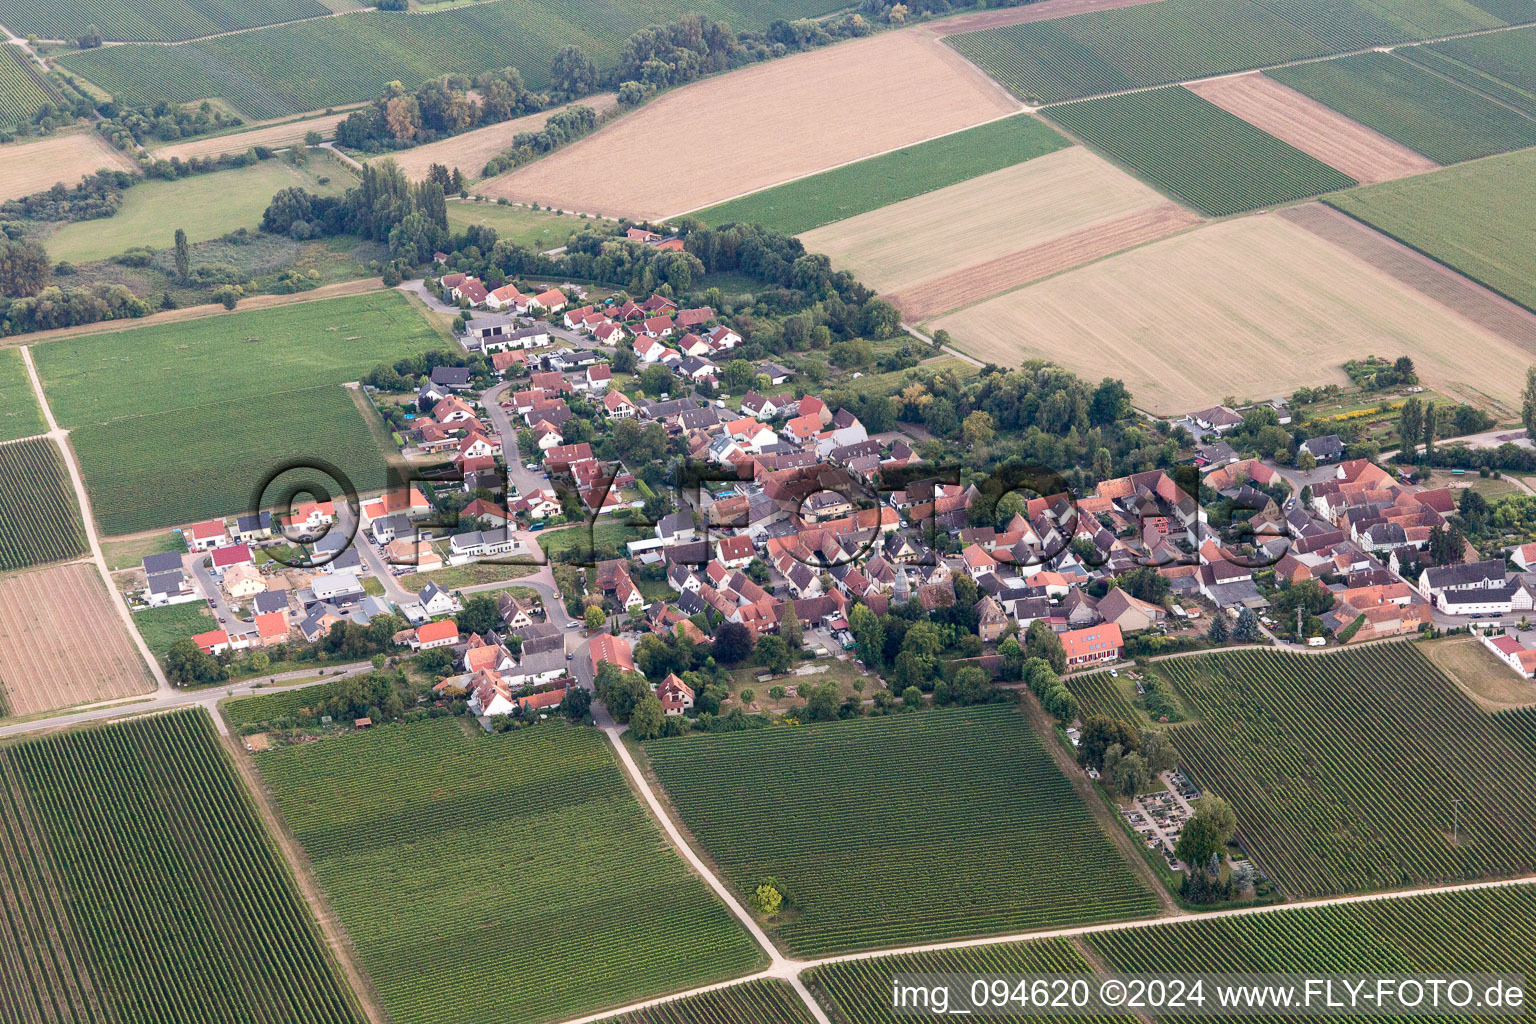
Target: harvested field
53,622
29,167
963,287
471,151
1251,307
766,124
1316,130
1018,207
1043,10
274,136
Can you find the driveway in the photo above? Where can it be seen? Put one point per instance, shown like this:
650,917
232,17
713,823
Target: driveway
525,480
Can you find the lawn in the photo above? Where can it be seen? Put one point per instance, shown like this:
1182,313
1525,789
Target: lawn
19,414
603,535
141,885
528,849
537,229
1420,109
975,832
1197,152
204,206
1298,744
162,627
882,180
473,574
1471,217
39,521
129,552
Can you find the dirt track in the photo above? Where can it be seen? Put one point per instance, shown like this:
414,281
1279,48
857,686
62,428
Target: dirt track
1316,130
972,284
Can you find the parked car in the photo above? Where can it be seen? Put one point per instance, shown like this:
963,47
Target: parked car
573,624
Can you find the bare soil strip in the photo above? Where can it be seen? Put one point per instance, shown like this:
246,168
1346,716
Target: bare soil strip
279,135
972,284
1045,10
1319,131
471,151
62,642
1486,308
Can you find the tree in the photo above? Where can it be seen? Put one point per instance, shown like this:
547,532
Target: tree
747,695
480,615
594,617
766,899
1410,424
1207,832
621,691
1306,462
772,654
733,643
1404,370
183,257
23,267
977,428
1246,629
789,630
1100,733
1217,633
577,703
645,721
1159,752
572,72
912,697
1429,429
1040,641
1130,775
821,703
1528,402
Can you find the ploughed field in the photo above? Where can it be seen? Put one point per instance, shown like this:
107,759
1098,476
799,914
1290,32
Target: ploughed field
140,885
528,849
898,830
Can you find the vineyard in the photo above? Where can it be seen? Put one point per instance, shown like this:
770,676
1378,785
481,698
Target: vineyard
1099,693
20,95
38,519
880,181
289,69
141,886
1343,768
766,1001
897,830
1488,930
161,20
1179,40
1502,64
1420,109
1197,152
859,991
489,878
19,414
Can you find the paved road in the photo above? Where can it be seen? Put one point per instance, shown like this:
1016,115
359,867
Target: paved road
192,562
525,480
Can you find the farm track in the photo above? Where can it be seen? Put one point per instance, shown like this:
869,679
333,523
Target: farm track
1484,307
984,280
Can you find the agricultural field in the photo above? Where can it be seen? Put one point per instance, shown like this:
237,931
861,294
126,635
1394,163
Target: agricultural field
28,167
304,66
978,811
859,991
473,836
1444,121
936,251
1469,217
278,135
38,518
863,80
1488,930
1178,40
1480,673
1501,64
142,886
537,229
1103,694
53,621
160,20
1197,152
1297,744
1313,128
880,181
1251,307
20,95
766,1001
472,150
204,206
19,414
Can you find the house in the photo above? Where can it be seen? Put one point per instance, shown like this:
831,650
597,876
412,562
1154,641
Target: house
454,378
1092,646
610,333
613,649
696,369
551,301
514,613
675,695
165,581
475,445
1524,556
617,406
341,588
650,350
436,601
435,634
225,557
991,620
477,544
215,641
597,378
205,536
696,317
243,581
723,339
1328,448
270,601
735,552
676,528
271,628
1512,652
1218,418
501,337
655,327
252,528
1438,579
775,373
507,297
1130,614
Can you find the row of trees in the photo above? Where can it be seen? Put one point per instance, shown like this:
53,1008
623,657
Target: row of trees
442,107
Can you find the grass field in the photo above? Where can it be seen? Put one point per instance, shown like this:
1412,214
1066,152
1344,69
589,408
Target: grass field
537,229
1470,217
158,20
528,848
1197,152
988,834
470,575
949,234
1250,307
1501,64
894,381
882,180
162,627
1420,109
129,552
204,206
19,413
1289,741
124,395
1483,676
140,885
38,518
765,1001
1178,40
20,95
28,167
292,69
758,130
